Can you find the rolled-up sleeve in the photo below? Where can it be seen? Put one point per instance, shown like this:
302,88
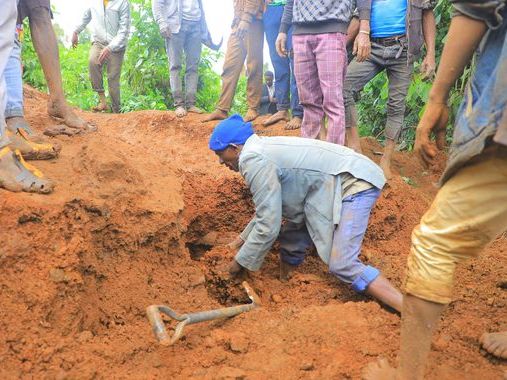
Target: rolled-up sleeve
286,21
262,179
119,42
488,11
364,9
87,17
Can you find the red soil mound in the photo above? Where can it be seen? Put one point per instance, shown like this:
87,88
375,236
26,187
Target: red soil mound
129,226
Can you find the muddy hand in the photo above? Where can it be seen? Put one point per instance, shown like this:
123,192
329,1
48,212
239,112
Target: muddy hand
434,120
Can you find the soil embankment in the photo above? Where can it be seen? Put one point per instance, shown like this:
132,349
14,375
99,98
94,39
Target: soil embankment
124,229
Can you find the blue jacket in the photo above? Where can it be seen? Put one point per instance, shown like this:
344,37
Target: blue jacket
297,179
483,112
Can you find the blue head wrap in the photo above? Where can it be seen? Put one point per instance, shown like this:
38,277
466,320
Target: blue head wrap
230,131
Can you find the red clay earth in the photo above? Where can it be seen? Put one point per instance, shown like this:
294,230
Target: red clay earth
125,229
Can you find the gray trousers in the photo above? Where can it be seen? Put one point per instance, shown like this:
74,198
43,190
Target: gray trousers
8,17
113,64
393,59
187,41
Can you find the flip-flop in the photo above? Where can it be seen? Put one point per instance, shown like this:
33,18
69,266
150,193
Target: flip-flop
32,150
30,177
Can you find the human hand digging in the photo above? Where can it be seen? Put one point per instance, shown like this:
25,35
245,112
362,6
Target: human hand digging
236,243
434,121
104,55
281,44
236,271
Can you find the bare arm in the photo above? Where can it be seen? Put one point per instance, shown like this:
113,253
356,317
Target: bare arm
429,31
463,38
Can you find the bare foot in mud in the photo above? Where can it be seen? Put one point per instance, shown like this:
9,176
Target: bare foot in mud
495,344
216,115
251,115
180,112
61,110
276,117
380,370
294,123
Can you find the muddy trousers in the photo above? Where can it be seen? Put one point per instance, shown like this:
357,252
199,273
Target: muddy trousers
113,64
7,27
251,49
348,237
468,213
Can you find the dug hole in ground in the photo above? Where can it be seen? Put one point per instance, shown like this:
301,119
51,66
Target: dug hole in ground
130,225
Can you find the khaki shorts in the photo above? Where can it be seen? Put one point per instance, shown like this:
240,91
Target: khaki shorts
25,8
468,213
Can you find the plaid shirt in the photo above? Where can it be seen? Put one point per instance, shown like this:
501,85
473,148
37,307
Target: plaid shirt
247,10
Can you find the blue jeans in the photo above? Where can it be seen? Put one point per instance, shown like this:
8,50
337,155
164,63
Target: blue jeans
285,82
348,237
14,83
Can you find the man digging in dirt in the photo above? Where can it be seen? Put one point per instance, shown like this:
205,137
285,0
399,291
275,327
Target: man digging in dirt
110,25
15,174
470,210
46,46
325,193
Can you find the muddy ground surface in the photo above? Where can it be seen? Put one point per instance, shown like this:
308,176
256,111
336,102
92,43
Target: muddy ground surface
125,229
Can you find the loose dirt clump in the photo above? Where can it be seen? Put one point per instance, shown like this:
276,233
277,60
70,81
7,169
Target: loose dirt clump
141,216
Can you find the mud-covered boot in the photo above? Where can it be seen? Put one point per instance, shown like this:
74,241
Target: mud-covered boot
16,175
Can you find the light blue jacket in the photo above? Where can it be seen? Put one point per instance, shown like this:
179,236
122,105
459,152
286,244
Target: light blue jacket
297,179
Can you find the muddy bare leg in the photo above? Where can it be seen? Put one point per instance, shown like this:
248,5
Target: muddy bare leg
385,162
45,44
386,293
353,141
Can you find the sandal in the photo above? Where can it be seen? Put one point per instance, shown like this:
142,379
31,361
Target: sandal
28,178
32,150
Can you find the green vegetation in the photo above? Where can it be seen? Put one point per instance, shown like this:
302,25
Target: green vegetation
145,76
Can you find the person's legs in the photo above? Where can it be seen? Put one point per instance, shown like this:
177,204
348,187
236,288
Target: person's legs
294,241
114,65
14,113
399,74
193,49
331,58
95,69
233,65
310,95
46,46
458,225
344,261
358,75
15,175
295,106
281,65
174,47
254,65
